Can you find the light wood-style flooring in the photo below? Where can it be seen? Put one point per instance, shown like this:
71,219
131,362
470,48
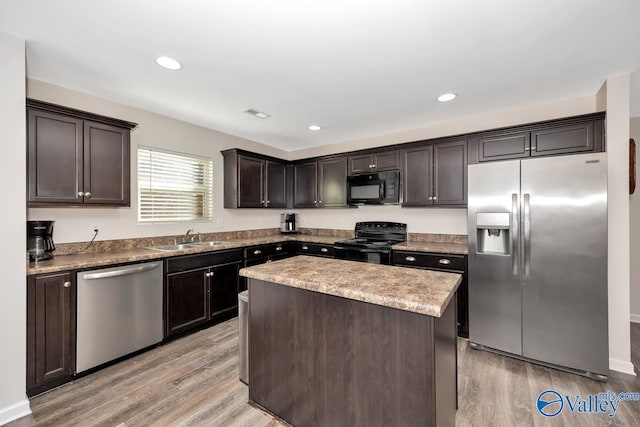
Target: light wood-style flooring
193,381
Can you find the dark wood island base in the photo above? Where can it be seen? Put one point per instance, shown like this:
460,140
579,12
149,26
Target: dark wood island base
323,360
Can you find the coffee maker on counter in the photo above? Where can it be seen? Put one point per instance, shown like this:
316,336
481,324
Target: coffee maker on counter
40,240
289,223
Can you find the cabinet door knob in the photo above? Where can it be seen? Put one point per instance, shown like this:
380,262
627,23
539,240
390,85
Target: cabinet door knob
268,201
410,258
320,201
373,166
278,248
257,252
209,274
67,284
315,201
430,198
534,148
304,248
324,250
444,261
87,194
80,193
262,202
435,198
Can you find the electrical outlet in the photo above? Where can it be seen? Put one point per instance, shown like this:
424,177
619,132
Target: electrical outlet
219,222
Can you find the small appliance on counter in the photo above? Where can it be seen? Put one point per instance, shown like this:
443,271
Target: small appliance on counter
40,240
289,223
372,243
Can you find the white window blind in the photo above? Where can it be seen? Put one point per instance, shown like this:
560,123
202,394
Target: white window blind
173,187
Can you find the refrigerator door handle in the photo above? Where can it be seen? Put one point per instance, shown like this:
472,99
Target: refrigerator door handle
514,233
526,255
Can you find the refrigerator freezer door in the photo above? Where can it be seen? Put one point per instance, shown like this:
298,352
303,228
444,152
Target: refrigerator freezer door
564,282
494,267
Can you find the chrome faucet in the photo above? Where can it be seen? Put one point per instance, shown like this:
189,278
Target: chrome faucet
185,238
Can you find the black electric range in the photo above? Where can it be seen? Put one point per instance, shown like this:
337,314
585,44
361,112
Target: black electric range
372,243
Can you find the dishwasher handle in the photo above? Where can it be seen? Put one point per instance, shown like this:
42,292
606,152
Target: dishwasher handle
122,272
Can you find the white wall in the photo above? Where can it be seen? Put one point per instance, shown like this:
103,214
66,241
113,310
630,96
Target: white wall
74,224
13,318
634,217
618,95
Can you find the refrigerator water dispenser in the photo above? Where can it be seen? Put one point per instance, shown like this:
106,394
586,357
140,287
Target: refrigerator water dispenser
493,232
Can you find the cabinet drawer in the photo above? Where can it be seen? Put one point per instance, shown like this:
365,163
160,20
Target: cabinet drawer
429,260
304,248
267,250
190,262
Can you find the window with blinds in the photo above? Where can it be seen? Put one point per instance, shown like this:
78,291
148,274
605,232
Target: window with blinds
173,187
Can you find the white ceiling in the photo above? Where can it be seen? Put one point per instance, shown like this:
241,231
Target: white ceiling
355,67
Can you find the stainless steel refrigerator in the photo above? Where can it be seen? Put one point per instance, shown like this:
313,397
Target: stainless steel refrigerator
538,260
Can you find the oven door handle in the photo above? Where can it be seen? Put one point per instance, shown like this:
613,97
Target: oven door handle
363,251
383,190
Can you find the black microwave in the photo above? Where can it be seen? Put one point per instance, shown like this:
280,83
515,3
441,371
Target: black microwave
374,188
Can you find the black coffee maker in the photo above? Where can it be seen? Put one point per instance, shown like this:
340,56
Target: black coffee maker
289,223
40,240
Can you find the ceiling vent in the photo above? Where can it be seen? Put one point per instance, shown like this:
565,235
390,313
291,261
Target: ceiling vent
257,113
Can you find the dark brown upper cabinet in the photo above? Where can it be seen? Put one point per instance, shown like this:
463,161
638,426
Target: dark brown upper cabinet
569,136
320,184
76,158
435,174
373,162
254,181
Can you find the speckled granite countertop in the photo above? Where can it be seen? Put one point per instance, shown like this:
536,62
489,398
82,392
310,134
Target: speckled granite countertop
90,260
419,291
436,247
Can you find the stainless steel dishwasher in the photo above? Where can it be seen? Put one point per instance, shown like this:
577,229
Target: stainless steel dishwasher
119,312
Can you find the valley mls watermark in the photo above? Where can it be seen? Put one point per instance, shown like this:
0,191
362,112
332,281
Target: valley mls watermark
551,403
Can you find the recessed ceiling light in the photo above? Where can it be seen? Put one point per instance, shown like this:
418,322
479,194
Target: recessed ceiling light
258,114
314,127
446,97
168,63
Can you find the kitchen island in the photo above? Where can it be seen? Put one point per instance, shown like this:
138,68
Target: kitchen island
342,343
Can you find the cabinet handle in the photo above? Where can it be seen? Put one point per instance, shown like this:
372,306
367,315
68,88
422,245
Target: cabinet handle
324,250
257,252
80,193
67,284
410,258
209,274
527,149
304,248
87,194
534,148
444,261
279,248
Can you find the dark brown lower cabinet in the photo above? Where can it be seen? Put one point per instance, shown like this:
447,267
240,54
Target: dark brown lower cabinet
441,262
196,297
51,317
321,360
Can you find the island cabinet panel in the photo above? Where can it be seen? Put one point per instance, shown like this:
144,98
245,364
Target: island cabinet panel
321,360
50,331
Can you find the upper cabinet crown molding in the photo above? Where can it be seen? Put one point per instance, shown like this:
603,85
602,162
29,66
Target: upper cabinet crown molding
76,157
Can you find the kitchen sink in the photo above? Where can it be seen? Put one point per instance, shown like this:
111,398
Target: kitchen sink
190,245
176,247
207,244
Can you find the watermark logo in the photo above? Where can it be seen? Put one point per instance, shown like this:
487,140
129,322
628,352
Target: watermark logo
551,403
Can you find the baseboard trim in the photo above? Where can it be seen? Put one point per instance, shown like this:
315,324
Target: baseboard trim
15,411
623,366
635,318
